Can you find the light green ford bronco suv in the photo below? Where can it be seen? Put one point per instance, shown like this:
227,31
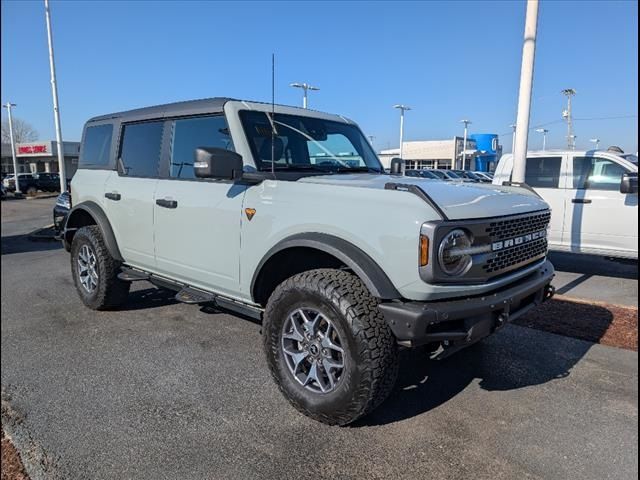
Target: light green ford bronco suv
286,215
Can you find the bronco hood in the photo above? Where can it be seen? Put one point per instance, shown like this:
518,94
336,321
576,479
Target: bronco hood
458,200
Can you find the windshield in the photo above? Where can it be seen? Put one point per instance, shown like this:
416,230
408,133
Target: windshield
451,174
307,143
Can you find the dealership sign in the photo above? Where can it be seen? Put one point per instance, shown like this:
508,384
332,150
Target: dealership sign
34,149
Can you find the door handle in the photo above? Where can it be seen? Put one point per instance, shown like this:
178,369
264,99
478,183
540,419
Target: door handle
113,196
580,200
163,202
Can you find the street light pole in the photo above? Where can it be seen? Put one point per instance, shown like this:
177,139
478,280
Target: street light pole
8,106
402,109
513,138
305,87
596,141
524,94
464,143
56,109
544,132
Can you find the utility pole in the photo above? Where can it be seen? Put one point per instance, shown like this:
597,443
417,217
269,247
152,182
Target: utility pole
464,143
571,139
8,106
56,110
402,109
306,87
544,132
524,95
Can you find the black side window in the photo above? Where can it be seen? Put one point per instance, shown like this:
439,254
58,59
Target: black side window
596,173
97,146
543,172
191,133
140,150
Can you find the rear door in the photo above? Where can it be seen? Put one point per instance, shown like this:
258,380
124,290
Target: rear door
547,175
129,191
599,217
197,221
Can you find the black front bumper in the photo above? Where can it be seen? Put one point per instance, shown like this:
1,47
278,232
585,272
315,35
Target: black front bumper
461,322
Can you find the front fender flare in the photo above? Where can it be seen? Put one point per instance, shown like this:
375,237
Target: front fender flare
97,213
374,278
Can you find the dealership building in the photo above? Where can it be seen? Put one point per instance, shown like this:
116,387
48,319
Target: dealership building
482,152
38,157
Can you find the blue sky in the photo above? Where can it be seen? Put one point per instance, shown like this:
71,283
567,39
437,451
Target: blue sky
448,60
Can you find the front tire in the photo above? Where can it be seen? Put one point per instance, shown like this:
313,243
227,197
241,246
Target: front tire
95,271
328,347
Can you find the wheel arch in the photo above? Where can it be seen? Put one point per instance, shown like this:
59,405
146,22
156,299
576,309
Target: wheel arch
90,213
308,251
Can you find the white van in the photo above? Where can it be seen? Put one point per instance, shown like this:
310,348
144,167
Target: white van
593,197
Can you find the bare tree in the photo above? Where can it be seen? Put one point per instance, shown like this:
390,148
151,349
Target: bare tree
22,131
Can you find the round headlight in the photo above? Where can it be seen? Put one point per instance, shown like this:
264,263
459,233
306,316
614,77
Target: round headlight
453,253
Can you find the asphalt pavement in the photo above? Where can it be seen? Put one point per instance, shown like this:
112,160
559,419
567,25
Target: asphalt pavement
166,390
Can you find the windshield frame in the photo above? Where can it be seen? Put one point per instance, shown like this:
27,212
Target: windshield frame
367,154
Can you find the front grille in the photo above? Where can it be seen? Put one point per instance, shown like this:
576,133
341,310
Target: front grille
510,228
516,256
518,241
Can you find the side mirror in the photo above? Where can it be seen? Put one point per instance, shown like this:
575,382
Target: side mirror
629,183
396,166
217,163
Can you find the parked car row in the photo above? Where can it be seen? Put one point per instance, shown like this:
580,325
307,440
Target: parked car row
30,183
452,175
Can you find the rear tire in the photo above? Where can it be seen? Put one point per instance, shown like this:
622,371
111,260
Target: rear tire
368,357
95,271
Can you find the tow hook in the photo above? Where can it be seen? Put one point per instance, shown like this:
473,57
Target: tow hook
549,292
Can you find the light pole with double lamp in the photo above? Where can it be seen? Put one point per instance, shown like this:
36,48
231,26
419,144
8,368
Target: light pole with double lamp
305,87
402,109
544,132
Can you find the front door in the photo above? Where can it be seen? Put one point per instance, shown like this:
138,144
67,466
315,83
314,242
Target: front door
197,221
598,216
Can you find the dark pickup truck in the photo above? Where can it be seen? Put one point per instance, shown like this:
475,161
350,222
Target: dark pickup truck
30,183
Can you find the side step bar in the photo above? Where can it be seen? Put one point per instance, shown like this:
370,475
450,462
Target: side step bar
131,275
190,295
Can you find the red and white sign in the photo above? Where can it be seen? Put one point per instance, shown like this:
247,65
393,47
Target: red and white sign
36,149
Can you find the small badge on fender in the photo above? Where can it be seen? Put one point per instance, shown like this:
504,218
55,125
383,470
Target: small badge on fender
250,212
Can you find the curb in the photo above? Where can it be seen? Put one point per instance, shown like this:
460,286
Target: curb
37,197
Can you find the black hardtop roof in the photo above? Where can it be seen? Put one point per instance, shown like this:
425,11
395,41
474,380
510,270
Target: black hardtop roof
211,105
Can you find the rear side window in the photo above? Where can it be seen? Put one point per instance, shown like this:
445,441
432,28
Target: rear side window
96,149
596,173
191,133
140,150
543,172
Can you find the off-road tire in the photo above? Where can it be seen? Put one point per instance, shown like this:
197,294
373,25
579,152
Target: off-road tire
371,353
110,292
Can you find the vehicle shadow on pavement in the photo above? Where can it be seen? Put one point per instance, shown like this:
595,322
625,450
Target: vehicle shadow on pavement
510,360
152,297
22,244
589,265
